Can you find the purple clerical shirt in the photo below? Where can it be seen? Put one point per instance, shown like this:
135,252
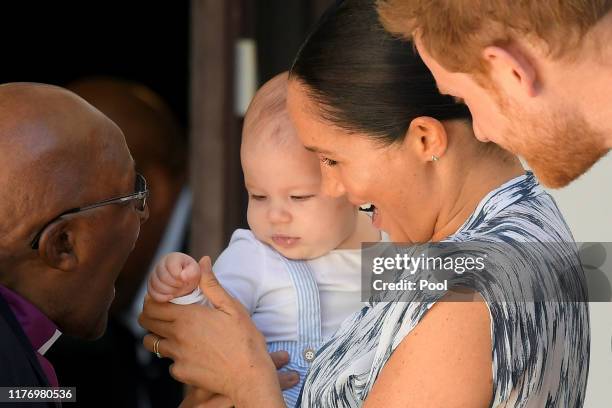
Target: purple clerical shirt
39,329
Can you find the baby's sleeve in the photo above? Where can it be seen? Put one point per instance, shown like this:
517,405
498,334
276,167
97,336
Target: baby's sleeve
240,268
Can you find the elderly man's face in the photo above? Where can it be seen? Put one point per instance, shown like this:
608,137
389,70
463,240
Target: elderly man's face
59,153
111,234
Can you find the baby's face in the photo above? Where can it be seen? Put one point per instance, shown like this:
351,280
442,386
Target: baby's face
286,208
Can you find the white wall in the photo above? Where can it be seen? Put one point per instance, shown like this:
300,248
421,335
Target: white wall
587,206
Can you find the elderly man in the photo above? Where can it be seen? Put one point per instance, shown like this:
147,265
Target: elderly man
536,74
155,139
71,210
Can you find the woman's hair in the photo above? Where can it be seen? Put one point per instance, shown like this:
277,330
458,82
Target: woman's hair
364,80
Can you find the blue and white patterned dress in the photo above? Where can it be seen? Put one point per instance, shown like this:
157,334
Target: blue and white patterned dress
540,349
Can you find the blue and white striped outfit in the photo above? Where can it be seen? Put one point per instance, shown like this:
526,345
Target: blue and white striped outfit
302,351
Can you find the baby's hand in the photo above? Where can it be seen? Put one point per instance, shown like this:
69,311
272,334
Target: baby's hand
175,275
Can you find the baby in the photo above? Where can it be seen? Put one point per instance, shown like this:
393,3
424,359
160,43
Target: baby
297,270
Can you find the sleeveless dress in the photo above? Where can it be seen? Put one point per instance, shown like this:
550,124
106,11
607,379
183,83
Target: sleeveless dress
540,348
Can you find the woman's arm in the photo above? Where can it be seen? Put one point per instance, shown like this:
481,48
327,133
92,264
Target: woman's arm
218,349
445,361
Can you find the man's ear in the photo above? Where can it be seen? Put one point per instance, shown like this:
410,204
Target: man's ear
511,69
57,247
427,137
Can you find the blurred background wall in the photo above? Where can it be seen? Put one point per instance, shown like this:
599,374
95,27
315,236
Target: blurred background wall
587,207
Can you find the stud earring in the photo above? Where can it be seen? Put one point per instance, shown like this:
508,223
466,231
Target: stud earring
434,158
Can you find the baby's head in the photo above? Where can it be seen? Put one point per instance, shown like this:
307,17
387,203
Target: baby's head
286,208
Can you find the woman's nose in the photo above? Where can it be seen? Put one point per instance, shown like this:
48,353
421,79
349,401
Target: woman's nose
331,186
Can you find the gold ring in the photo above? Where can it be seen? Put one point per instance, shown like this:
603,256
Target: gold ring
156,347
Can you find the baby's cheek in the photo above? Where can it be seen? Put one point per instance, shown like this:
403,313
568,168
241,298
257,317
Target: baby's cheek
255,219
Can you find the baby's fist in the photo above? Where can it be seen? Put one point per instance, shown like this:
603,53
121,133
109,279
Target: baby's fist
176,274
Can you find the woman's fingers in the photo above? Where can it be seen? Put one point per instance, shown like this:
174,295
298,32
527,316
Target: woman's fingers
161,328
160,311
279,358
288,379
158,317
149,342
211,288
203,337
163,346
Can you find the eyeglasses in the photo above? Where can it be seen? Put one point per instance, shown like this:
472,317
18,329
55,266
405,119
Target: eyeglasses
140,195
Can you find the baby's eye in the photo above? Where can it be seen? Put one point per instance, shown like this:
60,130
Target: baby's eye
301,197
257,197
328,162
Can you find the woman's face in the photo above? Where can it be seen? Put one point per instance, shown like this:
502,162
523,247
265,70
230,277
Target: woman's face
392,177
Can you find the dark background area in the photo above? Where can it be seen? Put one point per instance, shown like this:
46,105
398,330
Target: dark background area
57,42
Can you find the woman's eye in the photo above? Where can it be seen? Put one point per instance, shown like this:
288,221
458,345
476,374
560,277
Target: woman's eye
328,162
258,197
302,198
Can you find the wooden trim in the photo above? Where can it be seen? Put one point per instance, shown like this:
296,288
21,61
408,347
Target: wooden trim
213,31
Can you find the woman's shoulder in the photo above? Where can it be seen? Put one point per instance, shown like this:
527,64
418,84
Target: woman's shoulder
450,345
519,210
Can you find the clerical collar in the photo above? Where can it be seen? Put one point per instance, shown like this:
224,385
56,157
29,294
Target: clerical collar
39,329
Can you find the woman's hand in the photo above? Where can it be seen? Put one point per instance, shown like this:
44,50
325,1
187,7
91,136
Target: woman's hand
199,398
214,348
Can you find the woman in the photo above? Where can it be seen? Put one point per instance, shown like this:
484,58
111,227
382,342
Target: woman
369,107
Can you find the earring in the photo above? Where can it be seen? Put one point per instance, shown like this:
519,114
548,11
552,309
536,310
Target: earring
434,158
